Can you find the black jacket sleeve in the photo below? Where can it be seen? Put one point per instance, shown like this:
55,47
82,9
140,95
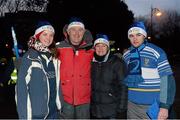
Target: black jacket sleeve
121,72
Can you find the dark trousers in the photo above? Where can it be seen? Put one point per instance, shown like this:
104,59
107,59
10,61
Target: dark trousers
75,112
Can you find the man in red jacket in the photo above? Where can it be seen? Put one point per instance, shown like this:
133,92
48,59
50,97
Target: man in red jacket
76,54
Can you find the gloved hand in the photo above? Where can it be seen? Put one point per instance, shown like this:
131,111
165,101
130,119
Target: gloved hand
1,85
11,82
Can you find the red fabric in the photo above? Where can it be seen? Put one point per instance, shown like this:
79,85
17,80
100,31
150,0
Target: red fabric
75,75
37,35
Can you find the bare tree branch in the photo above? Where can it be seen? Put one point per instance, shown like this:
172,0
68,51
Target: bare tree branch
13,6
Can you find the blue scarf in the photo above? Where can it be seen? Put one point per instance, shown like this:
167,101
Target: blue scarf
134,67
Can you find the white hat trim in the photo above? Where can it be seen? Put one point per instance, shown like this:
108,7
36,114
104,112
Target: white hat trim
45,27
136,30
73,24
101,40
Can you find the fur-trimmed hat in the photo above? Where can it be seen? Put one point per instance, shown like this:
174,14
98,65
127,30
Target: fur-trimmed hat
137,27
41,26
101,38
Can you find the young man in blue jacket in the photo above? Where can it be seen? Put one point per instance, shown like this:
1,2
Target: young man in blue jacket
150,78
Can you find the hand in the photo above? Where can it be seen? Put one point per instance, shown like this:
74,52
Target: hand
163,114
11,82
1,84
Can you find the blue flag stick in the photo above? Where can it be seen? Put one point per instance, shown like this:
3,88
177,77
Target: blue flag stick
15,42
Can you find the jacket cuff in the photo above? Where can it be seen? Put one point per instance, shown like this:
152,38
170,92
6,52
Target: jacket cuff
163,105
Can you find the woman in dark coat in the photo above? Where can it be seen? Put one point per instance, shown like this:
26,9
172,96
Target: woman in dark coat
109,94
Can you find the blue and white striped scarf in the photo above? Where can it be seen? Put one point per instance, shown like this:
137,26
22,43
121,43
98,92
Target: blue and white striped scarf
134,67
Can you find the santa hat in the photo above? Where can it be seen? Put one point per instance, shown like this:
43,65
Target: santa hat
41,26
101,38
137,27
74,21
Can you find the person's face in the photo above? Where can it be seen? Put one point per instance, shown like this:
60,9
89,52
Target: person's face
101,49
46,38
136,39
76,34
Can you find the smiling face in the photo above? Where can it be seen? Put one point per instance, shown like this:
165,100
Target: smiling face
136,39
76,34
101,49
46,38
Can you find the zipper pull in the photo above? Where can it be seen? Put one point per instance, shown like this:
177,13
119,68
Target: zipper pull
77,53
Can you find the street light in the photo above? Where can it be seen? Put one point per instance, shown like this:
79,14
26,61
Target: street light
156,12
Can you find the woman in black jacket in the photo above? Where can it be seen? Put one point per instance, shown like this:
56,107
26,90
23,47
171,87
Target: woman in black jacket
109,94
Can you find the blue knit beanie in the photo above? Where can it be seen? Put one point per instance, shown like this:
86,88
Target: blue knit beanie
102,38
41,26
137,27
75,21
